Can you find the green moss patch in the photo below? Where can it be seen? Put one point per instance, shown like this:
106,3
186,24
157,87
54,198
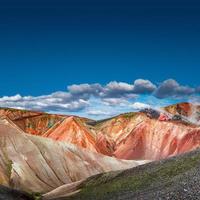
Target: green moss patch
108,184
129,114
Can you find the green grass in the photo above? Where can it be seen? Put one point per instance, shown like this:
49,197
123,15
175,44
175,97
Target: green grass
129,114
9,167
108,184
8,162
98,123
36,196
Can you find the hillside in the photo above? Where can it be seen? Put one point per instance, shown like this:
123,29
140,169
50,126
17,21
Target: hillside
37,164
74,131
149,134
174,178
11,194
55,154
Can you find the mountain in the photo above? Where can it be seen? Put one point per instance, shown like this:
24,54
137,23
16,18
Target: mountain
36,123
184,108
154,140
54,154
188,110
58,127
73,130
149,134
174,179
37,164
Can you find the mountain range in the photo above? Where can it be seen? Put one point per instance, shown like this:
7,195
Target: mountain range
52,156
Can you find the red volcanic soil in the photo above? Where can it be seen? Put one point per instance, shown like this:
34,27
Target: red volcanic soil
127,136
104,144
136,136
185,109
153,140
58,127
36,123
74,131
38,164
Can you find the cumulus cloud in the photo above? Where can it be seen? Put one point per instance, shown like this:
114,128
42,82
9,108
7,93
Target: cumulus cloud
198,89
98,113
59,101
115,102
119,86
16,97
122,89
139,106
78,97
171,88
85,88
142,86
116,89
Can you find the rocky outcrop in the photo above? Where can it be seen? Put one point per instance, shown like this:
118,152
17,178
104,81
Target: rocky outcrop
189,111
185,109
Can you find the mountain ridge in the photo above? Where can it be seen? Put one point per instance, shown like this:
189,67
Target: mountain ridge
56,154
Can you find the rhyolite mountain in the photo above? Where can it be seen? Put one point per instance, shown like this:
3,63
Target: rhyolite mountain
53,154
37,164
145,135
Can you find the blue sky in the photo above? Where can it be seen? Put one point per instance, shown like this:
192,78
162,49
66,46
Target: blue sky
46,46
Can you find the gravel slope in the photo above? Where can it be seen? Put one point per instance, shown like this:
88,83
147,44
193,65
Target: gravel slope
10,194
174,178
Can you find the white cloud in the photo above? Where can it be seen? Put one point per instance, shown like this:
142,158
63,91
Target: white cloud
59,101
119,86
171,88
142,86
116,89
81,89
98,113
115,101
16,97
97,99
139,106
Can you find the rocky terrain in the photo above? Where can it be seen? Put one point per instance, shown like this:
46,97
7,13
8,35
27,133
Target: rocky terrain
175,178
11,194
148,134
37,164
52,155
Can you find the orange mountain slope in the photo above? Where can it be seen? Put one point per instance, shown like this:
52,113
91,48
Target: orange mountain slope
36,164
73,130
188,110
32,122
58,127
148,134
153,140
